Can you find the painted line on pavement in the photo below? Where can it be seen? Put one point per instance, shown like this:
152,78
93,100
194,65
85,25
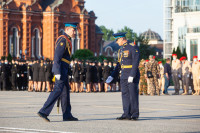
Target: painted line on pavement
14,103
11,129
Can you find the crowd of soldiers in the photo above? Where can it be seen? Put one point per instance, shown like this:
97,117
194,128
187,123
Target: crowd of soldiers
181,72
90,76
36,75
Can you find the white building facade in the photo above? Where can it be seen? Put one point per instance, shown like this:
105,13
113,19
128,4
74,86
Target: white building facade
182,27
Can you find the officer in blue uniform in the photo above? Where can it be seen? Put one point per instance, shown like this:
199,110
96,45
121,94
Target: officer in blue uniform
128,62
60,70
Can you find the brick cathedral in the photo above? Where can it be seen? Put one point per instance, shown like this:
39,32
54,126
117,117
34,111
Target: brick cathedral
29,28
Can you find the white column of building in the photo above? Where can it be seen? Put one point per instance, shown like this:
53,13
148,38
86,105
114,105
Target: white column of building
18,55
10,42
40,54
32,47
78,43
198,45
72,45
188,48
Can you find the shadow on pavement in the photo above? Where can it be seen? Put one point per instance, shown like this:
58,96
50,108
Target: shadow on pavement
170,117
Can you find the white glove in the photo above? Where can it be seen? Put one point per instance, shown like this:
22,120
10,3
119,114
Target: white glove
191,77
58,76
130,79
188,75
17,75
179,76
30,77
109,79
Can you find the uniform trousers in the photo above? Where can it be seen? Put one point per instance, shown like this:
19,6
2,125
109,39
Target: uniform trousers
61,90
196,82
161,82
176,82
186,82
153,85
130,98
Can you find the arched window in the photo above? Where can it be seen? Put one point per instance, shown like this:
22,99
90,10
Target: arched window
14,43
36,44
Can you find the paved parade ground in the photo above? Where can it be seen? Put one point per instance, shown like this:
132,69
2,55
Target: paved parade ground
97,113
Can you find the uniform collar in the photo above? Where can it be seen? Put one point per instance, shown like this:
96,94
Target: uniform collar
67,35
125,44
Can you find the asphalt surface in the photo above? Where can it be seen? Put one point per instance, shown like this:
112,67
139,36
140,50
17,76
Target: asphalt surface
97,113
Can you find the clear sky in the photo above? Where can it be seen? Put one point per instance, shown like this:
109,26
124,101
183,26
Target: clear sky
139,15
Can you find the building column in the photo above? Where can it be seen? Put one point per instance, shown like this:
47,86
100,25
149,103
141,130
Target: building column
188,48
18,46
39,45
78,43
32,47
73,46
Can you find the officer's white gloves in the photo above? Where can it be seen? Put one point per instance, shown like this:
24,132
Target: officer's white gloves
191,77
109,79
188,75
130,79
179,76
58,76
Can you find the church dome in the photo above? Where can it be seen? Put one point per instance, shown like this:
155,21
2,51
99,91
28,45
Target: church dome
151,35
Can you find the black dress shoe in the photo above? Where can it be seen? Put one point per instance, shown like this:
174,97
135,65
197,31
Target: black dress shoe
134,118
43,116
71,119
123,118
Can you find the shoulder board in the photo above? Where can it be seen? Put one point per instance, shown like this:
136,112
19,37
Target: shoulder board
132,44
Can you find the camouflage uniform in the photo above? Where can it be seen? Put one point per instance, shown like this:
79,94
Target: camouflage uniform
143,81
153,66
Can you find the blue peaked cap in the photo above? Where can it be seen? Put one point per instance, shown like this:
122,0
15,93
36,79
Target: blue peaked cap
73,25
119,35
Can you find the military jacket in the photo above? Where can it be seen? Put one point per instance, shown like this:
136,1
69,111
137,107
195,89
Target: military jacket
62,53
128,61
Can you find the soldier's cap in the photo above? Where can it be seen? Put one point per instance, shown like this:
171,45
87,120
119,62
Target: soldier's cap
147,60
105,61
47,59
160,62
154,57
150,56
71,24
174,54
119,35
195,57
183,58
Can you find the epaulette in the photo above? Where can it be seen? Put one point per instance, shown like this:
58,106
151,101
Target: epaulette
132,44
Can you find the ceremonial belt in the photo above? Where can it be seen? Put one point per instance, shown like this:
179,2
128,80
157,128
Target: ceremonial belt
126,66
65,60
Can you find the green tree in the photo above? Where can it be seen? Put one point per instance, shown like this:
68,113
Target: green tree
3,57
108,34
83,54
178,52
146,50
130,35
9,58
184,53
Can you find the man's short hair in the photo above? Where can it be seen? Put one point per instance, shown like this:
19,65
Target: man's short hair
168,59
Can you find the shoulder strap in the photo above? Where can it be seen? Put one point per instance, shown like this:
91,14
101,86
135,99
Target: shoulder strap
68,43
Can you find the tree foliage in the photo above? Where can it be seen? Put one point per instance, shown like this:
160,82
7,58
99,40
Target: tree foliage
146,50
130,35
83,54
108,33
179,53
